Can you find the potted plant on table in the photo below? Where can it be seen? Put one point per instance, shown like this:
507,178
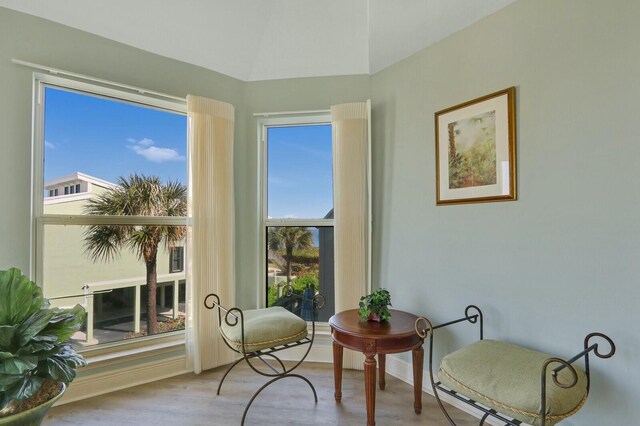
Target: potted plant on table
36,358
373,307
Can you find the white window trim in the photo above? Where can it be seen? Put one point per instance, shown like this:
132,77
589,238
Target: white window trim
116,92
304,118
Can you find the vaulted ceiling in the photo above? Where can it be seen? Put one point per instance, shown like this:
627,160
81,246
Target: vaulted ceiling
270,39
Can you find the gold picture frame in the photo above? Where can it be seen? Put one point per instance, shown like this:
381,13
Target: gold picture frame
476,150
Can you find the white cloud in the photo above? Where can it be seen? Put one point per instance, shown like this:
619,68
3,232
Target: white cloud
157,155
141,142
145,147
49,145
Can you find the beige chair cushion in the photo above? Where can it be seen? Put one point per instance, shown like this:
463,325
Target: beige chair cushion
265,328
506,377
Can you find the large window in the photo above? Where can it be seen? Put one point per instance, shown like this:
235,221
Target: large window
297,199
110,185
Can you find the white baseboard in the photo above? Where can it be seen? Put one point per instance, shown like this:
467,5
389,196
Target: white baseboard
122,378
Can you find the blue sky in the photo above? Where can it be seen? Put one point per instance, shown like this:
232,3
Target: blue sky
300,171
108,139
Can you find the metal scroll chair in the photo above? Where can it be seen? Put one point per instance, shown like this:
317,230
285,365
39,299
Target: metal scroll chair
512,384
259,334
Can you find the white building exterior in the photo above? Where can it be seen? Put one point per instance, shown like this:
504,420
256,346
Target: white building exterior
68,269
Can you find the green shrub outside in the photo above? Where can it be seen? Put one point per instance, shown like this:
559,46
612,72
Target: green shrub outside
299,284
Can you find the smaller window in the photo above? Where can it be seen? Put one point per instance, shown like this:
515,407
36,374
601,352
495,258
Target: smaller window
77,188
66,190
55,193
176,259
51,193
297,205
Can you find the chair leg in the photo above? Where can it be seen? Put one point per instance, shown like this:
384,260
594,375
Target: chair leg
446,414
246,410
226,373
483,419
248,358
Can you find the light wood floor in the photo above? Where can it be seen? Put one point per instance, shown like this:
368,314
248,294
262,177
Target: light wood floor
191,400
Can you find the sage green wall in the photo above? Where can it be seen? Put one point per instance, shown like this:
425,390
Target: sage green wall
297,94
560,262
36,40
547,269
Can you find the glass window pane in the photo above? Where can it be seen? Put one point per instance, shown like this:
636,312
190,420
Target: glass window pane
299,172
117,287
91,142
303,258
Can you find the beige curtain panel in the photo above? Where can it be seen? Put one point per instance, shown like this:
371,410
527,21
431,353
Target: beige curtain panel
352,199
211,237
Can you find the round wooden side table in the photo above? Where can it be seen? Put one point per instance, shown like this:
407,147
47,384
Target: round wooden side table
376,338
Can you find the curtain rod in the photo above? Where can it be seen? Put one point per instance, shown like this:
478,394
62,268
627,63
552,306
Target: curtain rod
57,71
272,114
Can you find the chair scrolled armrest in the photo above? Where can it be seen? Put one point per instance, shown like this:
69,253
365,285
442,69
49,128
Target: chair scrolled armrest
588,348
319,300
423,327
595,346
469,316
554,374
231,316
591,348
567,364
288,289
211,300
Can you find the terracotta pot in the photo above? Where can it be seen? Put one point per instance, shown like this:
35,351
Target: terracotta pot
34,416
375,317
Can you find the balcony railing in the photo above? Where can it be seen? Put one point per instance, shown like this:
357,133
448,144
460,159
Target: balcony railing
98,287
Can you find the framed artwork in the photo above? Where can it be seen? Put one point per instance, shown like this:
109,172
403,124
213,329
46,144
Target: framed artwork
476,150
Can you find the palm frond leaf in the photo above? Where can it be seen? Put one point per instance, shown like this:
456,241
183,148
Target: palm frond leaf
136,195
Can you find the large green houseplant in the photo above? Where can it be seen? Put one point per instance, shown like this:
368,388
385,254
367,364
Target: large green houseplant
374,306
36,359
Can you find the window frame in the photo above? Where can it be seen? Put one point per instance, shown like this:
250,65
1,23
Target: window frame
39,219
317,118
